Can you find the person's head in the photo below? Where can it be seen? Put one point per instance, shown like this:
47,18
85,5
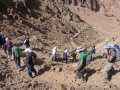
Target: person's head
28,50
66,51
55,48
7,39
107,47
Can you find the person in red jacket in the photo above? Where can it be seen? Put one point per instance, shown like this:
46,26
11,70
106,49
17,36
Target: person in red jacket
8,48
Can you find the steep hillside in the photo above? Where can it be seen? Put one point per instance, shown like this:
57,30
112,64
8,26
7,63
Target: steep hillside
49,23
101,14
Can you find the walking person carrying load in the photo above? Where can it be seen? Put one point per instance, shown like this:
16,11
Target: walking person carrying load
30,63
74,54
26,42
111,56
8,48
16,53
81,65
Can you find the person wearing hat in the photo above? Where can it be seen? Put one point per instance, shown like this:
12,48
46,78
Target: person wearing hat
111,56
26,42
30,63
81,65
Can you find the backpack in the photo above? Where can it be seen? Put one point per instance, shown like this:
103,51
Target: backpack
117,50
88,57
9,46
34,56
17,51
25,41
72,53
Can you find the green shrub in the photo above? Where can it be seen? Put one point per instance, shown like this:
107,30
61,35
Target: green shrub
49,62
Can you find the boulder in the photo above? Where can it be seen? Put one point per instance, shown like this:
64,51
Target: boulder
76,18
58,69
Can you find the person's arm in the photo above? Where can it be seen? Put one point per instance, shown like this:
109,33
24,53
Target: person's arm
79,65
112,56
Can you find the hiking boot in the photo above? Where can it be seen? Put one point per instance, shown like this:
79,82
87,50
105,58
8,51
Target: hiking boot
35,74
76,77
83,81
105,80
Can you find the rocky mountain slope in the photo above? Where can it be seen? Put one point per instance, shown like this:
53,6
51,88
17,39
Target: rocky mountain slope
104,16
49,23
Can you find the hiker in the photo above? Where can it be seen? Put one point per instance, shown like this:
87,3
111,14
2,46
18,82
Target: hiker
73,54
26,42
34,56
30,63
71,36
8,48
93,51
53,55
65,56
81,65
3,40
16,53
111,56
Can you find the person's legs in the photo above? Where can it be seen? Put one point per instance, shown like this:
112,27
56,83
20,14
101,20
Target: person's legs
66,60
74,59
54,58
33,70
80,73
16,63
62,60
30,72
106,69
8,56
18,58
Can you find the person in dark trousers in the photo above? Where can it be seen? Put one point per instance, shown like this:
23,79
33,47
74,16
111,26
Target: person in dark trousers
65,56
29,63
81,65
73,54
26,42
3,40
16,53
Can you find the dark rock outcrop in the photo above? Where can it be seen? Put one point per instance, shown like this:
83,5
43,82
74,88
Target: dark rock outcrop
91,4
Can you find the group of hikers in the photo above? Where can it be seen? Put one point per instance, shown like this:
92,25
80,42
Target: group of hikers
110,52
13,52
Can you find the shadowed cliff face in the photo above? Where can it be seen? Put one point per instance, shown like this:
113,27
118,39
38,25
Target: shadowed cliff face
91,4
